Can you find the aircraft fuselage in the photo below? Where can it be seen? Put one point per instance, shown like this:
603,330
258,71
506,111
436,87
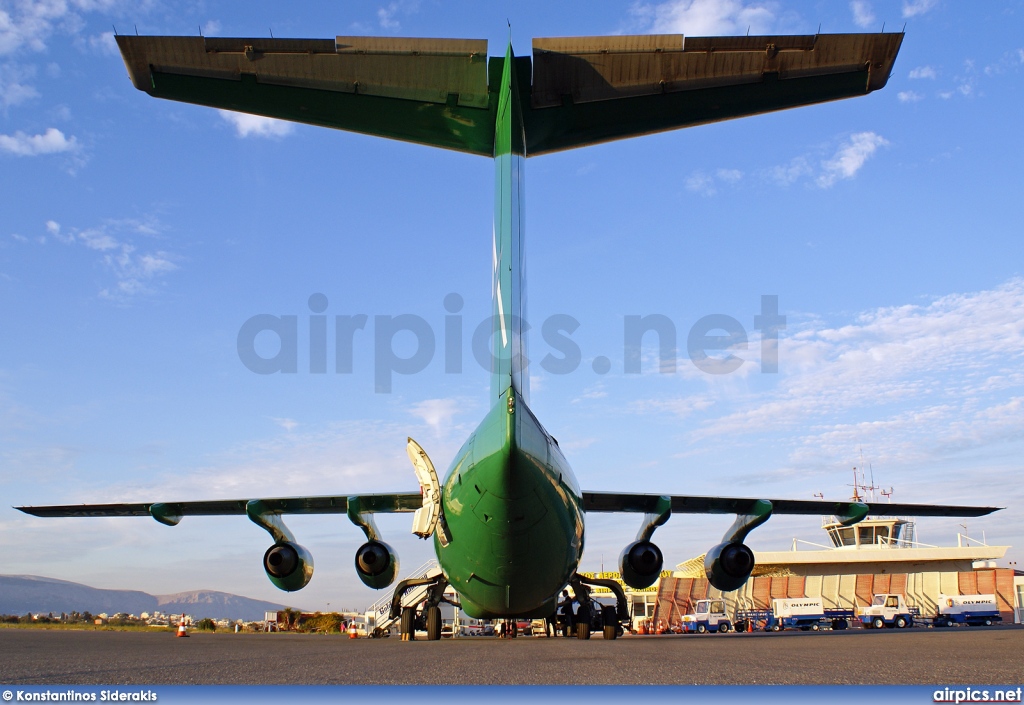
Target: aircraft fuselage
515,517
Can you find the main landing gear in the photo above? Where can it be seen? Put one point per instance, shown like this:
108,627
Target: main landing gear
592,615
428,618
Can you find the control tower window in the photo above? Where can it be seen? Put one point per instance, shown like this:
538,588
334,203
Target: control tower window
867,535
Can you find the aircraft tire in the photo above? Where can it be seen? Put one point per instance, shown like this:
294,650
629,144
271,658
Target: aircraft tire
408,623
513,630
583,630
610,621
434,623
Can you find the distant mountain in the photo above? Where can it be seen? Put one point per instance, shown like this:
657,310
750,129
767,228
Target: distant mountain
20,594
208,603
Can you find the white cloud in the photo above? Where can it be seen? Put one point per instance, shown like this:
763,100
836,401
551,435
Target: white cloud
288,425
387,16
105,43
950,369
706,184
255,125
863,15
134,271
28,25
437,413
13,89
697,18
850,158
922,72
701,183
680,406
909,96
730,176
788,174
913,8
211,28
52,141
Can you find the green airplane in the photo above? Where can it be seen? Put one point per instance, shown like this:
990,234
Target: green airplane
507,522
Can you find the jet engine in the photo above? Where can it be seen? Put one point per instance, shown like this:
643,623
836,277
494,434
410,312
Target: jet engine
640,564
728,565
376,564
289,566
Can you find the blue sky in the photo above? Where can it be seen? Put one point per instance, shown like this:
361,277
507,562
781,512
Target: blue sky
137,236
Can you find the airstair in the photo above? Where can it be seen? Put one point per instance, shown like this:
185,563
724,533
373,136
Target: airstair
378,615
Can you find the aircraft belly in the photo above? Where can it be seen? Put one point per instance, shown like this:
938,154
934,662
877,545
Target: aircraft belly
514,518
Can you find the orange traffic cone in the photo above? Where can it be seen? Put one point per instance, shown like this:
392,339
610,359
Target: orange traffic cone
352,631
181,627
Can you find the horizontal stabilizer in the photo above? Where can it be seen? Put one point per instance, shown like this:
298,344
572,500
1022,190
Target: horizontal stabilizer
431,91
575,91
595,89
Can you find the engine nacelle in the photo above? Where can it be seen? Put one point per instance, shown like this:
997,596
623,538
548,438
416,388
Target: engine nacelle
728,565
376,564
289,566
640,564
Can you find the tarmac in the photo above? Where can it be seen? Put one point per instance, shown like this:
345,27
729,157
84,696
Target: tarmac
911,656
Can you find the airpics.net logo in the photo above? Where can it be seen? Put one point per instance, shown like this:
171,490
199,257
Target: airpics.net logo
977,695
407,344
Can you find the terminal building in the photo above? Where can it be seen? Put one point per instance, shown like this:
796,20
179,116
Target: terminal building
877,555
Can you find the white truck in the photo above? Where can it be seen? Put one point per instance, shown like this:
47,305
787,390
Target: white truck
888,610
805,613
972,610
707,616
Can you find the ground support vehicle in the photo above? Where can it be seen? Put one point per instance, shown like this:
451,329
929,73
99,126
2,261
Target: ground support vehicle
707,616
805,613
967,610
888,610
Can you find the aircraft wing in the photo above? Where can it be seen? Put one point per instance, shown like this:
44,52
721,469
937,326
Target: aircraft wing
368,504
683,504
